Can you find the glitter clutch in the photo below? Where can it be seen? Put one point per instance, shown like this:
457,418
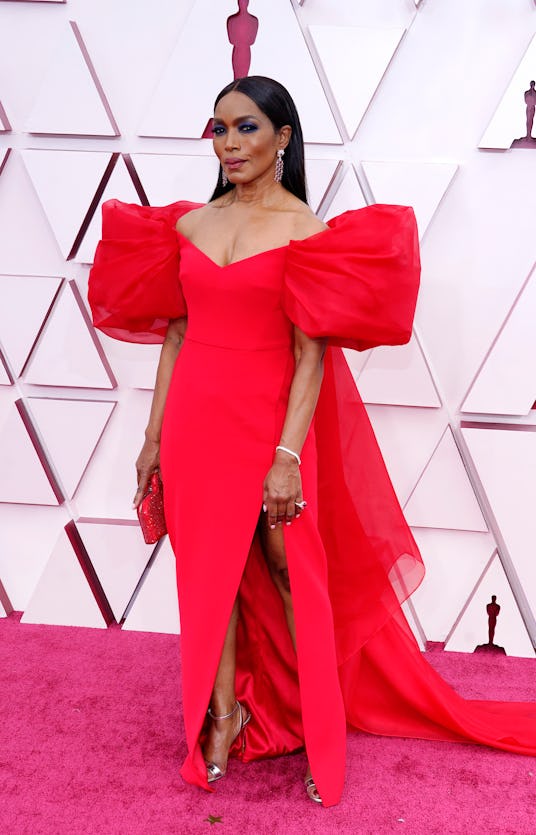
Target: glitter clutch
151,511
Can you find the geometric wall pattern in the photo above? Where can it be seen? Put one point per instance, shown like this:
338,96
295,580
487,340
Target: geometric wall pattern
395,108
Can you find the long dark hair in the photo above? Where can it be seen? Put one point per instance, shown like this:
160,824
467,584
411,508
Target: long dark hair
276,103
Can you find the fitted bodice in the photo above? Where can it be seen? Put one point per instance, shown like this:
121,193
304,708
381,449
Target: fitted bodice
236,306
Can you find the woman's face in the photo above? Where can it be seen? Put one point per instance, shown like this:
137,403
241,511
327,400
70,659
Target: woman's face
244,140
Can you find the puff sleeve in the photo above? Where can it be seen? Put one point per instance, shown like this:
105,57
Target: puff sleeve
134,286
356,283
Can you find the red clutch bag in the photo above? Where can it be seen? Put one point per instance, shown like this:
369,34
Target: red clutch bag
151,511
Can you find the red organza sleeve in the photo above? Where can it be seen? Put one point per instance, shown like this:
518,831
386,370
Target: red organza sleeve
356,283
134,286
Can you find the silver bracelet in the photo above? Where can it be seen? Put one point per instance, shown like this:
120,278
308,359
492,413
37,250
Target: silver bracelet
290,452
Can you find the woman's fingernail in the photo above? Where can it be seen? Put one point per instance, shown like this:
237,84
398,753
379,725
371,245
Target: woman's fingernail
289,523
264,508
272,527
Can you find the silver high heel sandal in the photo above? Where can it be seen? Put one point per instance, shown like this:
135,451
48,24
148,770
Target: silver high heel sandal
312,791
214,772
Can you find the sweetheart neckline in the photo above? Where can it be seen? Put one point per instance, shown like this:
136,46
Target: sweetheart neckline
231,263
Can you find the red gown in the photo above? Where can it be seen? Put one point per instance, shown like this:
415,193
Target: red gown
351,557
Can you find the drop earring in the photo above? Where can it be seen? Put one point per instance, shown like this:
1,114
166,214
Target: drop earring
224,179
279,166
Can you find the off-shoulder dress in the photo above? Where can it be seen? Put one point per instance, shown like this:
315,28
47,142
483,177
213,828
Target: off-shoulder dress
352,559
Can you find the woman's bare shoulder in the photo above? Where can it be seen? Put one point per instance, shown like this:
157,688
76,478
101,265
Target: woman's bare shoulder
188,223
306,223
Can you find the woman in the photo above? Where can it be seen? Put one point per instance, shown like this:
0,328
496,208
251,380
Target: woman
292,552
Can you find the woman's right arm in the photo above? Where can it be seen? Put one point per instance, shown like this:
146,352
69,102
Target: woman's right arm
149,458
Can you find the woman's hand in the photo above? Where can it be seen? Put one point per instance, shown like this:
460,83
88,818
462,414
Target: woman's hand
282,490
148,461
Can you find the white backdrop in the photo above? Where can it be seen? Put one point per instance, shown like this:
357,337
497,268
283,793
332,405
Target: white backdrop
401,101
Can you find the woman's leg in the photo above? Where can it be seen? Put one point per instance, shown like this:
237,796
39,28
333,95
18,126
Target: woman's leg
221,733
273,546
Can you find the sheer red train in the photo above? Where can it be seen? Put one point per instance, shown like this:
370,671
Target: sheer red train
351,556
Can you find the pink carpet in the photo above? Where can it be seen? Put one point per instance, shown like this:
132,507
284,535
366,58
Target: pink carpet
91,738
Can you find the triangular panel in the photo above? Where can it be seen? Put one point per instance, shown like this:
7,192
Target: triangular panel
71,100
411,183
109,484
506,464
25,548
367,53
170,177
119,186
62,595
156,607
398,376
348,196
134,364
509,120
444,497
472,628
20,213
20,322
70,431
455,561
67,353
506,383
119,556
66,183
22,476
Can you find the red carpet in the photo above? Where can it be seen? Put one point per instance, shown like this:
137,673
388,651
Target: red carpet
91,738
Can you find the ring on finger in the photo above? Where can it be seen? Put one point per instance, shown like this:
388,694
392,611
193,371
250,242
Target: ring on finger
302,505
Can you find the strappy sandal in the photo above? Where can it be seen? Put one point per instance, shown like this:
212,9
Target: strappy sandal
214,772
312,791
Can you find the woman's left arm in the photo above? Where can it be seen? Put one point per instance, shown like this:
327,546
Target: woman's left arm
282,486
